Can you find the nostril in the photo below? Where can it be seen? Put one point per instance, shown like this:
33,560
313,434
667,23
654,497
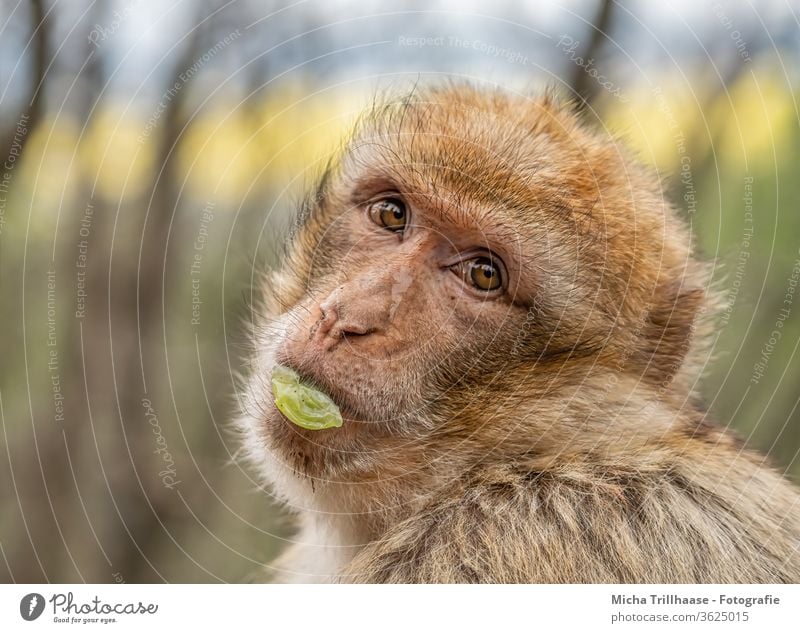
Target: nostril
353,330
349,329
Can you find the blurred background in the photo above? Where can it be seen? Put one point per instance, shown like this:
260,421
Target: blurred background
154,152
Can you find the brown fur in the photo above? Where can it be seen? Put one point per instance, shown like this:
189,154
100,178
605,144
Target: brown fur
547,437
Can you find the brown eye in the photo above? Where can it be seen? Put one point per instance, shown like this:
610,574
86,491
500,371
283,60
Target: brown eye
484,274
389,213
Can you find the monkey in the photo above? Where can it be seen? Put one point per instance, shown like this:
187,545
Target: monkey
512,319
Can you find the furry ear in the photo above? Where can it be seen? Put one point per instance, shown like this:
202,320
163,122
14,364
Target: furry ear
667,331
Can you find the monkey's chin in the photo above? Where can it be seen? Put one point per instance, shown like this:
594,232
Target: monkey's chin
324,454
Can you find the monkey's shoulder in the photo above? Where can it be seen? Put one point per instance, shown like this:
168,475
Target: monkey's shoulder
581,523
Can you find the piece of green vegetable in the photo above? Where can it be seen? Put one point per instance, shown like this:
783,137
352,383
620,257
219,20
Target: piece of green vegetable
304,406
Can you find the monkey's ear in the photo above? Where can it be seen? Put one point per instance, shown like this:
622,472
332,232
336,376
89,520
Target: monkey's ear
667,331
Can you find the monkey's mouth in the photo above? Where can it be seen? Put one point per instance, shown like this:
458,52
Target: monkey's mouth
302,404
309,401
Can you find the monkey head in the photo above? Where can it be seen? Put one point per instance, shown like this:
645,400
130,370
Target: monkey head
469,253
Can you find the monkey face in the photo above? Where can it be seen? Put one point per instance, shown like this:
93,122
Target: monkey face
464,249
414,309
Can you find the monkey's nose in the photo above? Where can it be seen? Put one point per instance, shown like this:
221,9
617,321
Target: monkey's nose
333,327
339,321
329,315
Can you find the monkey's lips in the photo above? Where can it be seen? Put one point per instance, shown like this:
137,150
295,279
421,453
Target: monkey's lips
302,404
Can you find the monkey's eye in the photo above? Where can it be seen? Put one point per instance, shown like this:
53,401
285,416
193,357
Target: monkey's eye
482,273
390,213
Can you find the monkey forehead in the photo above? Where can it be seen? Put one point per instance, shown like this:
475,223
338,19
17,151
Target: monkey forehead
483,149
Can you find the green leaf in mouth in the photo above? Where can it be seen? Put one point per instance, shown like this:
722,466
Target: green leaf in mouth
302,405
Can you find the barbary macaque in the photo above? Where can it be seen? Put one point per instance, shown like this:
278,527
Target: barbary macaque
510,318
